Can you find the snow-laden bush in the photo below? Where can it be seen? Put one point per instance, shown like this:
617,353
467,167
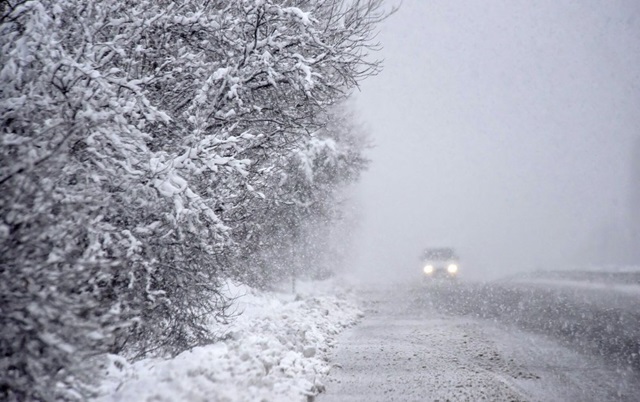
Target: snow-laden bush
147,149
292,230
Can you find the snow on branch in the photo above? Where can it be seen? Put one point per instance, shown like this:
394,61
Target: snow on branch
148,150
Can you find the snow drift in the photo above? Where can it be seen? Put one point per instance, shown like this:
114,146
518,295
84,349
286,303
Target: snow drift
276,350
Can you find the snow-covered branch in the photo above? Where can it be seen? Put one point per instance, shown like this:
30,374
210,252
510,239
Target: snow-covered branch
150,148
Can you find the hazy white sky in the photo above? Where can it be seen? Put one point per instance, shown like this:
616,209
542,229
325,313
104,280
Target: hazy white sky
503,128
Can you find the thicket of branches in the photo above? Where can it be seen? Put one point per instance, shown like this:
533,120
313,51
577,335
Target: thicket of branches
151,148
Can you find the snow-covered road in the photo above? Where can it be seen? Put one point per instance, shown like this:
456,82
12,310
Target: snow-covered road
412,347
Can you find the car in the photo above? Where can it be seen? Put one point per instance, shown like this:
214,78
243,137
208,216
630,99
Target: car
440,263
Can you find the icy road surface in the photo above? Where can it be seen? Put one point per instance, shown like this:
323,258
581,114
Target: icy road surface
445,344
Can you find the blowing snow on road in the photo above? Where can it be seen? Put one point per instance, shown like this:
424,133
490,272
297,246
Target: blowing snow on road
445,342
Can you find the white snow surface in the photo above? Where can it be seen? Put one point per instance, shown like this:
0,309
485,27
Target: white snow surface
275,350
633,289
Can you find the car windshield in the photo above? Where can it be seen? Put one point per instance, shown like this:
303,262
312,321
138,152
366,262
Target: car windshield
439,254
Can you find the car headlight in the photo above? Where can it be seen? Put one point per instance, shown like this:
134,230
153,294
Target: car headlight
452,268
428,269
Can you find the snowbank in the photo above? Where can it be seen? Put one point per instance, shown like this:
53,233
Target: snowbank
276,350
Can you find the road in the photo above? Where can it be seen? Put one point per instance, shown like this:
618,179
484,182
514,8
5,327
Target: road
508,341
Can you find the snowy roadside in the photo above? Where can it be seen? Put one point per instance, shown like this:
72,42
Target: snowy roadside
276,350
633,289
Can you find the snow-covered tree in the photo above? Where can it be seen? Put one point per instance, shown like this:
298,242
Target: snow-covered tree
144,147
289,232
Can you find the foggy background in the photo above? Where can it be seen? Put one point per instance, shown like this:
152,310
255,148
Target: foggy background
504,129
